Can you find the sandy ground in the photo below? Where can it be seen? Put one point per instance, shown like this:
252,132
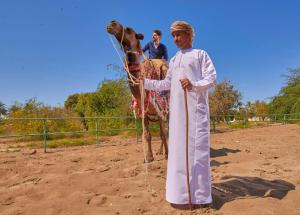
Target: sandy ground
255,171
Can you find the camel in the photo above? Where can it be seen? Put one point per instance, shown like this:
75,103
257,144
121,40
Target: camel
129,41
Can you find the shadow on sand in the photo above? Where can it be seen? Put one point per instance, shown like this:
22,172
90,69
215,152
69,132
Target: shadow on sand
214,163
237,187
222,152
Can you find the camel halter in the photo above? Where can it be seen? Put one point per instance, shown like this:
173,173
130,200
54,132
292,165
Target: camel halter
125,65
133,80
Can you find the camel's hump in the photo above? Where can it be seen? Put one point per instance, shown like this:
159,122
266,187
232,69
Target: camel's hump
157,63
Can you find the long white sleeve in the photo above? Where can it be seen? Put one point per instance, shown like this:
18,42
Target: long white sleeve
208,73
159,85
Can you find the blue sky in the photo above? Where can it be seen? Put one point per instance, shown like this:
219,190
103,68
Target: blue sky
53,48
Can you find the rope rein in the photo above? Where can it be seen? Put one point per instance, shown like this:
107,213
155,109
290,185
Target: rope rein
125,65
134,81
142,90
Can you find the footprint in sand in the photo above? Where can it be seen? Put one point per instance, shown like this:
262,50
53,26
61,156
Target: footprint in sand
76,160
130,172
7,201
97,200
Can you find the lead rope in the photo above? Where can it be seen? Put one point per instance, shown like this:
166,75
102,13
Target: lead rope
142,91
125,65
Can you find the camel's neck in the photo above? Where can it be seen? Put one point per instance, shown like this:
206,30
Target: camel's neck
134,70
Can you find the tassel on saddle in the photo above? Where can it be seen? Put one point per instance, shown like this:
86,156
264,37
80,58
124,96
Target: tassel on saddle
155,69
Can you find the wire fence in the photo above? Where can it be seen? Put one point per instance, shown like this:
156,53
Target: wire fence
61,126
45,128
244,121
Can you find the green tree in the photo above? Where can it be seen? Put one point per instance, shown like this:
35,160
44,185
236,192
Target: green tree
287,101
81,104
3,109
257,108
71,101
15,107
249,109
112,97
35,109
224,100
261,109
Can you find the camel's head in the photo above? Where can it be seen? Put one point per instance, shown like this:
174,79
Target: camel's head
128,39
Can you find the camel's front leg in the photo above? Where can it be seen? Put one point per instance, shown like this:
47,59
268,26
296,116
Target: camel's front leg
149,154
163,137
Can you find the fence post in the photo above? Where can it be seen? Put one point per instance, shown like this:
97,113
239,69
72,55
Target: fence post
245,118
214,124
45,136
136,130
97,130
255,117
284,119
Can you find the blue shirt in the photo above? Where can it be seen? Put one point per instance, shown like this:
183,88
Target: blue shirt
156,53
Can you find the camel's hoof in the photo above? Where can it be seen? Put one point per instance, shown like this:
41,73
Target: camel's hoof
149,160
160,152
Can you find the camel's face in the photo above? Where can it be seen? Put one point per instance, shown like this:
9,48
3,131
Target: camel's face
127,38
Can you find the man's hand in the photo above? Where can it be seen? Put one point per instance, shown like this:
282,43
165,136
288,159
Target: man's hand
186,84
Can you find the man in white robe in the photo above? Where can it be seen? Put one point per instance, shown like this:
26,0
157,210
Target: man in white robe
190,69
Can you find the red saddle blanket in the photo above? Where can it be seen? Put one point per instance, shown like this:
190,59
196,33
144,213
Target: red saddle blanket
154,69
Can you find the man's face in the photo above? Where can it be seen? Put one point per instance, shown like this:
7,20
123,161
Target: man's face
155,37
182,39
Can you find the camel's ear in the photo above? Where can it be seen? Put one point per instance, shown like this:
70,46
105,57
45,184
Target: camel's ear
139,36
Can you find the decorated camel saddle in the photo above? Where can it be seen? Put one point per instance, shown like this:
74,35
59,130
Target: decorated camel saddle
154,69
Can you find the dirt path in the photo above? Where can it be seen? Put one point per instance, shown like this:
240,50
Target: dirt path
255,171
